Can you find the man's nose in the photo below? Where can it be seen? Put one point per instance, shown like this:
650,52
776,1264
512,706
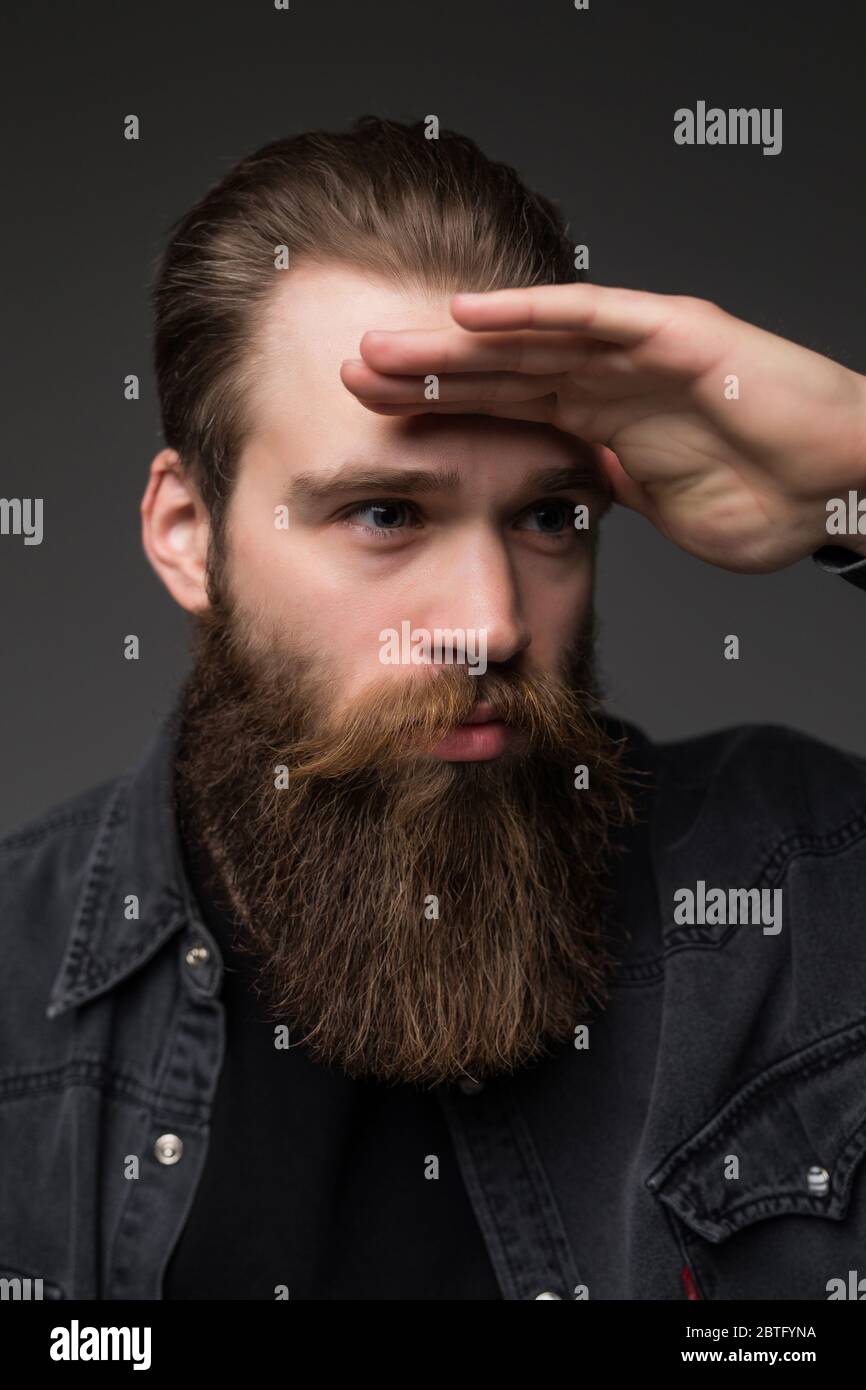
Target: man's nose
477,590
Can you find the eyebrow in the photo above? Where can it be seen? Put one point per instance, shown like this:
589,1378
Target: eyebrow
354,478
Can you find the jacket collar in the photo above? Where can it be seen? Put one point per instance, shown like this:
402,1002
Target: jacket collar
136,854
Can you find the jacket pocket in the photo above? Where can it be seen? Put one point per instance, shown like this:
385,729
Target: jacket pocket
746,1188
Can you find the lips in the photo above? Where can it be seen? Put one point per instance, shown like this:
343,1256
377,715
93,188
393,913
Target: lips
483,713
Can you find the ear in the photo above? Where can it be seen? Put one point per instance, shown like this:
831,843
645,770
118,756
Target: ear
175,529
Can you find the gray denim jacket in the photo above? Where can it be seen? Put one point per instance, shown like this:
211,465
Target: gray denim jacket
709,1142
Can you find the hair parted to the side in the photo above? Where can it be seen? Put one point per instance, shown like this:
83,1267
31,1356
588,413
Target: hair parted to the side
432,213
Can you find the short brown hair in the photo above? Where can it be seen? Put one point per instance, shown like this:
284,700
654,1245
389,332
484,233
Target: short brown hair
381,196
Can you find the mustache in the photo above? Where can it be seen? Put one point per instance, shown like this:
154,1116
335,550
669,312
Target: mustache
394,721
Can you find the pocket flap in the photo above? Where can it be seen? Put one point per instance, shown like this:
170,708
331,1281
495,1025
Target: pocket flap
798,1131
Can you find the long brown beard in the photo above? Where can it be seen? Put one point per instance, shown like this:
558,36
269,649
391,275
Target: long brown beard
413,919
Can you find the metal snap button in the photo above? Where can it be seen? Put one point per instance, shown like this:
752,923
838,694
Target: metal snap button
548,1293
470,1087
168,1148
197,955
818,1181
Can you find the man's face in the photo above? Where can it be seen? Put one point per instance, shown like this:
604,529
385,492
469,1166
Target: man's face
425,894
483,545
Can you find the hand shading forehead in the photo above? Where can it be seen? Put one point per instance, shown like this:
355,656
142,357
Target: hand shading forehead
313,424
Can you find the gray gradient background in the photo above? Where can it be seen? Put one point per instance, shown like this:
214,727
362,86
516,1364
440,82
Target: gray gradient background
582,104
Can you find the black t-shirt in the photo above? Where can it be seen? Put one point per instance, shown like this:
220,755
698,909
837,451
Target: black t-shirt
316,1181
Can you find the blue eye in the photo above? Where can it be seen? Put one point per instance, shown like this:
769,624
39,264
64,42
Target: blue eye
388,518
554,516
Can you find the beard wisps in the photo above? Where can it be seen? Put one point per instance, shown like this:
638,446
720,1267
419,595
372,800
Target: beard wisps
412,919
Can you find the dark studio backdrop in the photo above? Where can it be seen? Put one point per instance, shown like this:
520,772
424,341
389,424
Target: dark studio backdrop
582,103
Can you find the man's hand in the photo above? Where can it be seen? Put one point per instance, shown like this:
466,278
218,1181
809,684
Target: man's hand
729,439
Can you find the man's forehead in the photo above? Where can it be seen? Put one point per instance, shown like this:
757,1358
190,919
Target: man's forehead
449,450
319,316
308,417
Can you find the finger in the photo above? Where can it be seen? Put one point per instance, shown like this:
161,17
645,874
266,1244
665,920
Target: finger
369,385
602,311
454,350
540,410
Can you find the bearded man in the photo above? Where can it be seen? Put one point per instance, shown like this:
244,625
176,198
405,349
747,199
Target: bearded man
373,985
